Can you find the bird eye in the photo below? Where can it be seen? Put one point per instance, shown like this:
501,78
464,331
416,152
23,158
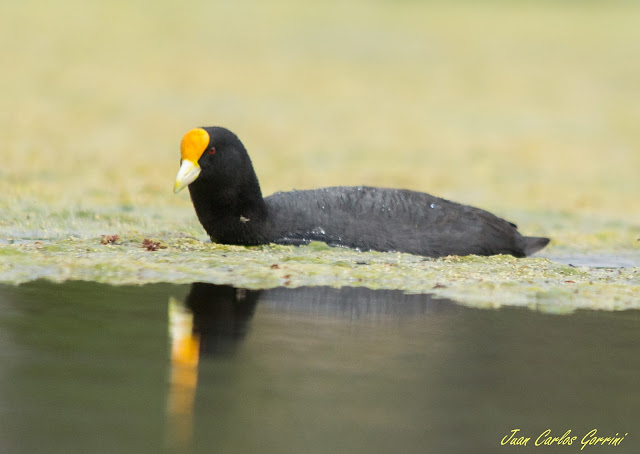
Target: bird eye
212,150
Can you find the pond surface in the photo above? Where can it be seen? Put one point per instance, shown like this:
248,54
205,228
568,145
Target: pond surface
86,367
628,259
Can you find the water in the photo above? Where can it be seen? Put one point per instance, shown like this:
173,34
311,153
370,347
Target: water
627,259
93,368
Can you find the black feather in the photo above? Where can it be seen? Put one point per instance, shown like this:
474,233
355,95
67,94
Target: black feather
230,206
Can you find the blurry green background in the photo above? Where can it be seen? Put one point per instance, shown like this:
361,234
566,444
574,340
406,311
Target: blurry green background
526,108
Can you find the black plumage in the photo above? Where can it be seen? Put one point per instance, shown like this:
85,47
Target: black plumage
229,204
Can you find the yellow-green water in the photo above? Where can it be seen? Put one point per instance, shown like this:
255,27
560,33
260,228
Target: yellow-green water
523,108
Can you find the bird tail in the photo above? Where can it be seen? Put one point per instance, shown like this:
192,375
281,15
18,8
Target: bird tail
532,244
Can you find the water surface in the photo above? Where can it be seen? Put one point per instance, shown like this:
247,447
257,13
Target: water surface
86,367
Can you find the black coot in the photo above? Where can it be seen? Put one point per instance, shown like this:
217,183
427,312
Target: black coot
229,204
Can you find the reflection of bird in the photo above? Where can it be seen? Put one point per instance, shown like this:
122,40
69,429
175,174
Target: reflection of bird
221,315
212,322
227,198
215,319
185,355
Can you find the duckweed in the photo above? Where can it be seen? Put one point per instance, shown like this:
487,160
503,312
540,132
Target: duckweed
489,282
517,136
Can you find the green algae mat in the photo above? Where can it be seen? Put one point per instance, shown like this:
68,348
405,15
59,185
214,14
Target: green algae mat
522,108
538,283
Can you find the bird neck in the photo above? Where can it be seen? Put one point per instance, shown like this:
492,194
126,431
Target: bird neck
232,216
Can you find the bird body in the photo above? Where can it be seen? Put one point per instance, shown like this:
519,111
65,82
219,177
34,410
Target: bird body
229,204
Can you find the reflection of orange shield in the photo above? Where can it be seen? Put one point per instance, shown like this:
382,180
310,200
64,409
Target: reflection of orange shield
185,347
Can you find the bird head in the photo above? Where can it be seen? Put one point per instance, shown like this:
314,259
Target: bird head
213,161
192,148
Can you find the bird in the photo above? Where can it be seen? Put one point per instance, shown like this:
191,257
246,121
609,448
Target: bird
228,202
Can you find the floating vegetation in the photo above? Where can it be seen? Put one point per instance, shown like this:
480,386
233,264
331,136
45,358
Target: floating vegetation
89,162
538,283
109,239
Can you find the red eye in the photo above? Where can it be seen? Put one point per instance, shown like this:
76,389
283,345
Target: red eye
212,150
